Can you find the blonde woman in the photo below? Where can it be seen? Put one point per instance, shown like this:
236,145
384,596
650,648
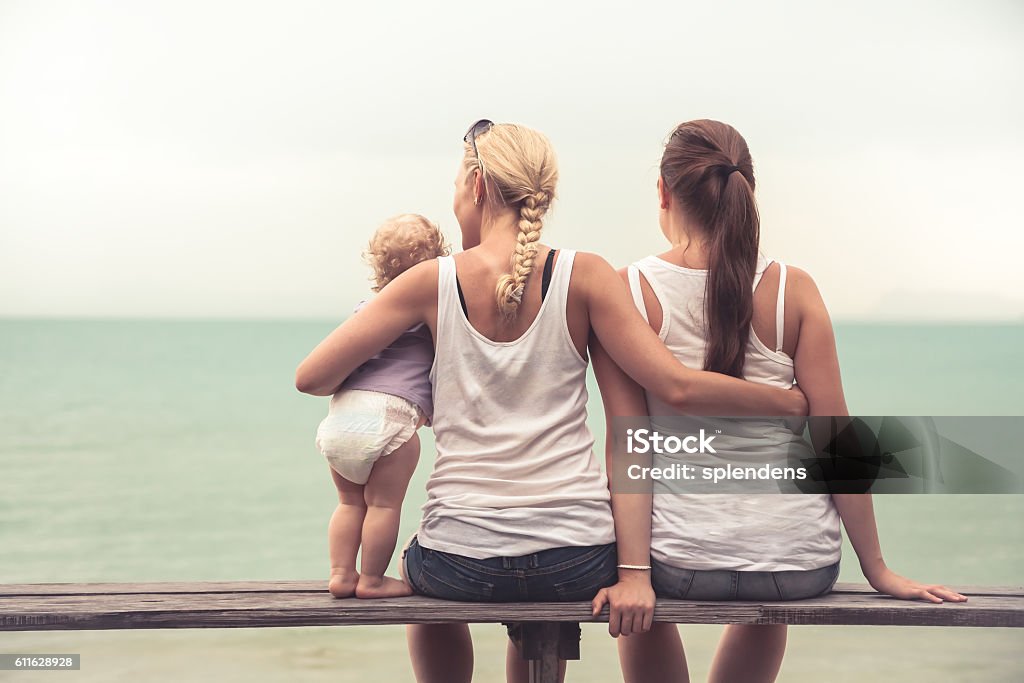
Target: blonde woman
518,508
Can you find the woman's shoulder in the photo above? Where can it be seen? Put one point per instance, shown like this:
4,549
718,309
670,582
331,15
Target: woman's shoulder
588,262
800,286
591,271
421,273
417,284
798,280
802,297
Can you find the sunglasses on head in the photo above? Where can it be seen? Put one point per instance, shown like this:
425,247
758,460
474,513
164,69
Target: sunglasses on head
478,128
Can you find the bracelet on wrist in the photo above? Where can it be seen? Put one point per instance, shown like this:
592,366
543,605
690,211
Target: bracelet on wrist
641,567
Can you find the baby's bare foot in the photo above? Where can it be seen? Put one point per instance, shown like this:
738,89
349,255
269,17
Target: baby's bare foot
343,583
381,587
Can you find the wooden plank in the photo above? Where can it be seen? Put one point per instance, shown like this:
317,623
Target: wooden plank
314,586
865,610
244,607
163,587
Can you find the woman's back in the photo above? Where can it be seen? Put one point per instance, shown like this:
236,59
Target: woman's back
683,328
515,471
737,531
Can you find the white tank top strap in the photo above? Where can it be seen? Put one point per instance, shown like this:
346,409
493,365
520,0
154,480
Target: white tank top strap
634,288
652,270
762,266
780,308
448,305
560,276
558,289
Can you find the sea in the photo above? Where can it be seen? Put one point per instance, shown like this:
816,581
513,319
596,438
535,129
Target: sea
179,450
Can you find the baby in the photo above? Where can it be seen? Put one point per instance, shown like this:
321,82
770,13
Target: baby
369,435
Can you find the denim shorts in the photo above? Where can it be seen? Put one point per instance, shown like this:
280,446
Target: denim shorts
557,575
724,584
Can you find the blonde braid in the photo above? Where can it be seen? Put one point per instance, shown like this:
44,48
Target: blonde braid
512,285
519,172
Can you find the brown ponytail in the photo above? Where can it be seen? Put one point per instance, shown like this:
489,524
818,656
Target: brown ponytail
707,168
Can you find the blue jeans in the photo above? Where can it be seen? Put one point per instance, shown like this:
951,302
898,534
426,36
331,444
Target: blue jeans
724,584
559,574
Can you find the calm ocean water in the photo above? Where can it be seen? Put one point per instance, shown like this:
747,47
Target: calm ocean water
145,450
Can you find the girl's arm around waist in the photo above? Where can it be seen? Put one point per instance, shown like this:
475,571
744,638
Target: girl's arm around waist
635,348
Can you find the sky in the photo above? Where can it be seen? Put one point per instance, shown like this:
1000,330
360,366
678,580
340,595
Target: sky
231,159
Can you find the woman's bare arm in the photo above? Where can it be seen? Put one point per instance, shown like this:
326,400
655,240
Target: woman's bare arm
858,514
816,363
631,601
636,349
403,303
815,360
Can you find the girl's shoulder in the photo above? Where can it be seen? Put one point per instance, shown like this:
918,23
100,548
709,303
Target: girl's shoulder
802,304
800,286
802,292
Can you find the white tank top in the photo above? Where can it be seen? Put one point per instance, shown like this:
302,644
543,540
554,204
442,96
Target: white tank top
515,471
740,532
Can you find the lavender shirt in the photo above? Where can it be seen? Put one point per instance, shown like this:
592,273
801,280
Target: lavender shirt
402,369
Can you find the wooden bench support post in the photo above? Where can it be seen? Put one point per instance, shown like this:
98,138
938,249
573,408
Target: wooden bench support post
543,643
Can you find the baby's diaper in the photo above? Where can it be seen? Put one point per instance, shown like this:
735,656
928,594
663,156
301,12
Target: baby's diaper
361,427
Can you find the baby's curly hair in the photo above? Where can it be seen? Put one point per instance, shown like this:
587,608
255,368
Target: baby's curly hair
400,243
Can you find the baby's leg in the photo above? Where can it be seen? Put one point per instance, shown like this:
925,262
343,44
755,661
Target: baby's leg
343,536
384,493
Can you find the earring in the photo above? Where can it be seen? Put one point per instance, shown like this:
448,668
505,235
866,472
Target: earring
476,201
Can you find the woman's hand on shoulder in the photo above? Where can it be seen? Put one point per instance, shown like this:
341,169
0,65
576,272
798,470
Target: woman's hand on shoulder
630,604
891,583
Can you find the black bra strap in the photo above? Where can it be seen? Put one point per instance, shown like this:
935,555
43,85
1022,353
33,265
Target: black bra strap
462,297
545,282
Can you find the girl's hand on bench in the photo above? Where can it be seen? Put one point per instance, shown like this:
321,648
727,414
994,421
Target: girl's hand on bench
891,583
630,603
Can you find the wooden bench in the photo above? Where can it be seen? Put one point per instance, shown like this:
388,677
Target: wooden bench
549,630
